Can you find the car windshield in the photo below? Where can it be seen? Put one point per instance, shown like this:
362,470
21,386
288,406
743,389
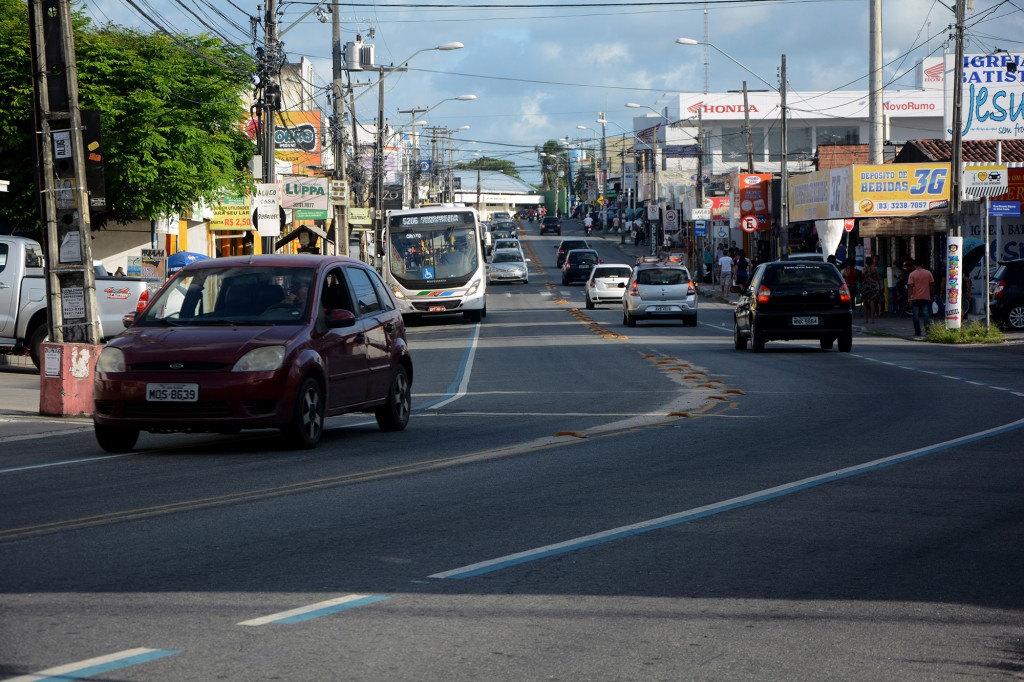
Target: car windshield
263,295
566,246
622,272
801,274
513,257
662,276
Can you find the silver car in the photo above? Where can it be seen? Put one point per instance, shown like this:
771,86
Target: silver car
508,265
607,284
660,290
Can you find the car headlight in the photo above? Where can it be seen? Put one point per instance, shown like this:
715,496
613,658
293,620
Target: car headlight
110,360
265,359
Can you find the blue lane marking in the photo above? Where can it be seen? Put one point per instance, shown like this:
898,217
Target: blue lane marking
90,671
453,388
502,563
355,603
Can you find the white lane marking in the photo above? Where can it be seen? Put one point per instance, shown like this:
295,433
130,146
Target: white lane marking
696,513
466,371
95,666
316,610
29,467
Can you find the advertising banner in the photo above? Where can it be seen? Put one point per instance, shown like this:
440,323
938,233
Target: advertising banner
307,197
808,196
297,138
232,213
266,206
954,280
751,197
985,181
719,207
905,189
991,99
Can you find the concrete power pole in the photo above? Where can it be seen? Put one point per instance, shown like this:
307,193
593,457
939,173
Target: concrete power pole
876,128
956,167
271,101
746,131
64,205
784,190
338,132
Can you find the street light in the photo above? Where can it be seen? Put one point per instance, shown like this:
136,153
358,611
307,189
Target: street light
784,165
414,194
451,162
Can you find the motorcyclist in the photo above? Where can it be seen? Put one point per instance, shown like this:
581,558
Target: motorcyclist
588,225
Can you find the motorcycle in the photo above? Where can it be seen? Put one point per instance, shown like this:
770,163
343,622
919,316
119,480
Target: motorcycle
588,229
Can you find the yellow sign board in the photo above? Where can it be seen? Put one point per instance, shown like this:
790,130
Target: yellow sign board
232,213
900,189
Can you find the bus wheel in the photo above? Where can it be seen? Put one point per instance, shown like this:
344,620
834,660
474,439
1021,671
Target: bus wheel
473,315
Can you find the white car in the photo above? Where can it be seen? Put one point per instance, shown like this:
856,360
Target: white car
607,283
507,244
508,265
660,290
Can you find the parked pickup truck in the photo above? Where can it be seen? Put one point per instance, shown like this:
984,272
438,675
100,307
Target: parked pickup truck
23,297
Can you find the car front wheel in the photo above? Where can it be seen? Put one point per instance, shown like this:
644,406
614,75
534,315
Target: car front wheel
307,424
1015,317
393,415
116,438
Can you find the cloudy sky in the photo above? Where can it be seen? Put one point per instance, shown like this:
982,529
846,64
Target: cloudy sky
540,69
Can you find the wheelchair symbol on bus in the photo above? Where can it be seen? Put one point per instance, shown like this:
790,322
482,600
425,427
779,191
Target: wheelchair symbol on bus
428,273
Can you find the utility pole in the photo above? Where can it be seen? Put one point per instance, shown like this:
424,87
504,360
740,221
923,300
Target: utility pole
604,171
784,190
957,151
378,174
338,133
413,178
64,207
875,112
271,100
746,131
700,191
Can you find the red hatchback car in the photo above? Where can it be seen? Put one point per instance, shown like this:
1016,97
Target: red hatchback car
255,342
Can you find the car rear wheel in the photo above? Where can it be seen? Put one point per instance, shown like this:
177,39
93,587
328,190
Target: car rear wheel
756,341
826,344
628,319
116,438
690,321
846,343
393,415
307,424
739,341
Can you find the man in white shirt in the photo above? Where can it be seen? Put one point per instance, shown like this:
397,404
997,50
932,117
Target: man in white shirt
725,273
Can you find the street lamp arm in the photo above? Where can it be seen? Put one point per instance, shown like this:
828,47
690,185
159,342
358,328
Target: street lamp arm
691,41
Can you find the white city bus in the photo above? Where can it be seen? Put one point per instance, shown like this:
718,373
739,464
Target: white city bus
434,261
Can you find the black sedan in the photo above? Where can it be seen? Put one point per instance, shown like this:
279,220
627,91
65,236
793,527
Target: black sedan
794,300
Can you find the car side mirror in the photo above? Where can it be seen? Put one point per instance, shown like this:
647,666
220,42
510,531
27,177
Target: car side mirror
128,319
338,318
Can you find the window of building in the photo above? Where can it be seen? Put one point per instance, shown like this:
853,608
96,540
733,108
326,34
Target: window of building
838,135
734,144
799,143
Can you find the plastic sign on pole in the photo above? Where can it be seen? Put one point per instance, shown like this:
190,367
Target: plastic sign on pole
848,224
954,280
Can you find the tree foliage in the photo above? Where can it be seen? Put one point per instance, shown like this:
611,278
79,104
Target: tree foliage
553,157
490,164
171,116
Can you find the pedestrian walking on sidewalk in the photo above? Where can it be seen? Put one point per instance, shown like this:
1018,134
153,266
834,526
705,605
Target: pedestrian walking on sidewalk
871,289
725,273
921,287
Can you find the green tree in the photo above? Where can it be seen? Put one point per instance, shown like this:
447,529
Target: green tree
553,157
490,164
171,111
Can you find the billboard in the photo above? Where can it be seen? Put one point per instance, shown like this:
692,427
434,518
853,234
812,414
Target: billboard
750,200
808,196
902,189
297,139
307,197
991,101
232,213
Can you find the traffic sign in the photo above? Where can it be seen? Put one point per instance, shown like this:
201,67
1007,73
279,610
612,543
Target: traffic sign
671,219
700,228
749,224
700,214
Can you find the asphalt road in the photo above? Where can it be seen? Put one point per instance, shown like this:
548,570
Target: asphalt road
571,501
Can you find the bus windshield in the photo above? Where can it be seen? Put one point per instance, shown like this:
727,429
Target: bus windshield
433,249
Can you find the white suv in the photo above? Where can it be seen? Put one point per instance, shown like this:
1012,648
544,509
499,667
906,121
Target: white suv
660,290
